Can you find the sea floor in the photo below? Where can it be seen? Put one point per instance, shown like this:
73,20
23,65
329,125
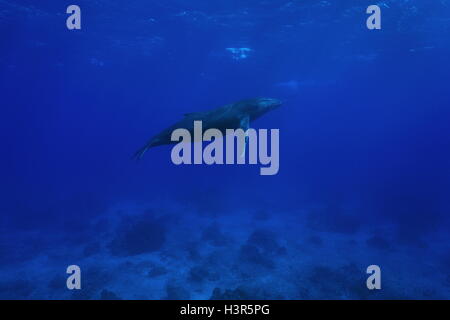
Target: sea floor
141,252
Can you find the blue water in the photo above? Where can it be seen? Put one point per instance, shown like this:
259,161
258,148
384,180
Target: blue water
364,150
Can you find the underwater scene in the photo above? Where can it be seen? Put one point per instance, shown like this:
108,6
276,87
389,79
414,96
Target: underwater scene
338,189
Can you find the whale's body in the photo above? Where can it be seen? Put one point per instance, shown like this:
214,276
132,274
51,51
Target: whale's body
231,116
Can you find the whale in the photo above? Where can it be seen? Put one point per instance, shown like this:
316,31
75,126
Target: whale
236,115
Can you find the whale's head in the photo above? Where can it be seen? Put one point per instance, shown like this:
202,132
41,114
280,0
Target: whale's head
257,107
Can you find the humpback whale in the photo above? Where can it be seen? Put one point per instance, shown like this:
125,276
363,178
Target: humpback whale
236,115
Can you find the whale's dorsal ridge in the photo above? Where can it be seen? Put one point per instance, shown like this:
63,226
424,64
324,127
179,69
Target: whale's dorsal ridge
193,114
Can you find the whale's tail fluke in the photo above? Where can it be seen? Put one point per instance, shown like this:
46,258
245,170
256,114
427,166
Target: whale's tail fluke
140,153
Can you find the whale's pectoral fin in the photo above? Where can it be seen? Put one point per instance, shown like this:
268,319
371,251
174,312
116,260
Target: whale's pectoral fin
245,124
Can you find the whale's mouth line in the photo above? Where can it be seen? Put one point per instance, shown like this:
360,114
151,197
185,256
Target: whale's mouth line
278,104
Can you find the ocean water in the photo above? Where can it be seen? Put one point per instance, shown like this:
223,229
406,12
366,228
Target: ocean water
364,176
